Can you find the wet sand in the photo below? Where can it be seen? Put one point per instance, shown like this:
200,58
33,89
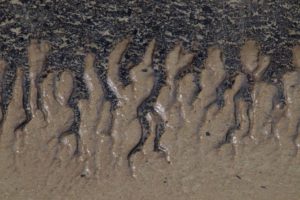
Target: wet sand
241,150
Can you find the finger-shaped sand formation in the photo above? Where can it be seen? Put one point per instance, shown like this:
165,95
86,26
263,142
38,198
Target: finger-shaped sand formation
156,101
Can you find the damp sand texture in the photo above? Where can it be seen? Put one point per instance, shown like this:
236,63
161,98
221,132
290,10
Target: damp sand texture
106,101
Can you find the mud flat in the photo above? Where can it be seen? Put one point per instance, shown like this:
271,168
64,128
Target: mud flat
183,144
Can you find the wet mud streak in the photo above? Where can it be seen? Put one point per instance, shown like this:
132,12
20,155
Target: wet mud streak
14,112
109,94
287,128
249,59
9,74
37,53
264,96
227,115
90,110
132,57
147,107
211,78
2,112
178,65
60,116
